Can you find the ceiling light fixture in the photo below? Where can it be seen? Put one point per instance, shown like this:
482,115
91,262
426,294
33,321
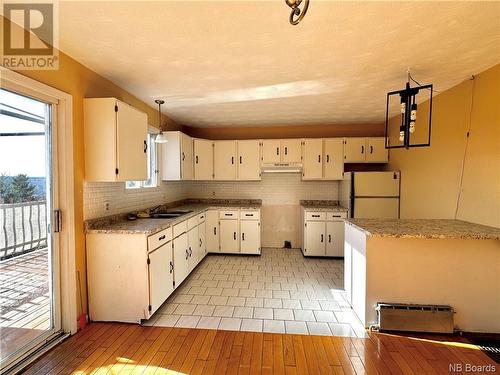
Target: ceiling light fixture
407,99
160,138
297,13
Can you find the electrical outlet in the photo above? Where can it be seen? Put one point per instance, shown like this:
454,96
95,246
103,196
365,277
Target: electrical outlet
107,205
213,193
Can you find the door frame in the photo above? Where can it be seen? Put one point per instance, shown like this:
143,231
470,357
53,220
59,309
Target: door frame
65,170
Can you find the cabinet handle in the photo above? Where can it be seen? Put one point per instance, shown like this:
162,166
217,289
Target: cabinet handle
277,150
243,236
232,159
161,238
362,149
371,149
234,236
319,158
327,158
329,238
228,214
241,159
248,214
171,267
183,156
286,150
145,146
196,159
201,242
336,216
322,238
187,254
315,215
215,230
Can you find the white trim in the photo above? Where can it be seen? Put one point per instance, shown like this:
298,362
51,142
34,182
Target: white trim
66,188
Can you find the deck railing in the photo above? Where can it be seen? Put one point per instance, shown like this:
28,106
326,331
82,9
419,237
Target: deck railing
23,228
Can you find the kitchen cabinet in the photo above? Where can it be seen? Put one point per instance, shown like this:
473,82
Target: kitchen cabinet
224,160
323,233
115,141
333,159
202,249
250,231
177,157
203,159
193,248
249,160
271,151
291,150
312,159
229,236
181,258
212,231
365,150
376,151
161,275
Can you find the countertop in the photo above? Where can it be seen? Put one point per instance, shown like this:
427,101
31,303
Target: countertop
118,224
425,228
319,205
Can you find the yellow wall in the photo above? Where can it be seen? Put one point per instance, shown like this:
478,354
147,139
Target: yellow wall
81,82
431,176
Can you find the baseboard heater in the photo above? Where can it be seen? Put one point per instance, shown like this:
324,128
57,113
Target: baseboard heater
415,318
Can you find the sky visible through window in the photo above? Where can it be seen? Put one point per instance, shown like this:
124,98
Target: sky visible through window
21,154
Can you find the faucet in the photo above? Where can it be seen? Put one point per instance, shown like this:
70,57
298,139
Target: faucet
154,209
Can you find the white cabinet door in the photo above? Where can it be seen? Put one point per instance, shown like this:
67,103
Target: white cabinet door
355,150
315,238
271,151
161,275
131,143
225,160
212,231
249,160
376,151
333,158
229,236
312,159
193,247
291,150
335,238
202,250
181,259
203,159
250,237
186,157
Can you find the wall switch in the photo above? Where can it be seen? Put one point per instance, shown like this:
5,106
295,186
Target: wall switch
107,205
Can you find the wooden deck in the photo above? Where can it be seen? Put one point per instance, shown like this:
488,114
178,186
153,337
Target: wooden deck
24,300
133,349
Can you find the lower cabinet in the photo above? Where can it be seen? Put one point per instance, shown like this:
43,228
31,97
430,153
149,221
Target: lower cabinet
250,237
212,231
229,236
181,258
161,275
193,248
202,249
323,234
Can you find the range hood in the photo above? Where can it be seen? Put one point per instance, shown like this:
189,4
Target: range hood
281,168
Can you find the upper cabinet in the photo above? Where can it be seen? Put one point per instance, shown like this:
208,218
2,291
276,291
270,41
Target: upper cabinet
249,160
177,157
365,149
323,159
225,160
115,141
333,158
203,159
281,151
312,159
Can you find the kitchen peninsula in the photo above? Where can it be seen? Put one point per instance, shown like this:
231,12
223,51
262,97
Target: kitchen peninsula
420,261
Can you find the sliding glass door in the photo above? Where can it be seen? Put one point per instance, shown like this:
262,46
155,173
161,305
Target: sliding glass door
30,312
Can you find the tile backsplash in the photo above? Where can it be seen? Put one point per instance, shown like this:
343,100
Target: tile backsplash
274,189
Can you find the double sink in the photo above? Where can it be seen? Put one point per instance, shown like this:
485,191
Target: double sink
169,214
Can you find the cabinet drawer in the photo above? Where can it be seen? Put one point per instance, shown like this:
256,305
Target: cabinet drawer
250,215
180,228
333,216
201,217
315,216
228,214
158,239
192,222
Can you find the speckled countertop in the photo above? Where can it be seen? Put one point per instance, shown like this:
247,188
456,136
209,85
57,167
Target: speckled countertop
426,228
319,205
119,224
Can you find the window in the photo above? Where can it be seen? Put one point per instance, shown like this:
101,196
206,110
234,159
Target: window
152,180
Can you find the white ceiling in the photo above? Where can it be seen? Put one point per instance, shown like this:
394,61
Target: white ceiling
237,63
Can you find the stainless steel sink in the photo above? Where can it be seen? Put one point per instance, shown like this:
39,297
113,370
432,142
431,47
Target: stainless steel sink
170,214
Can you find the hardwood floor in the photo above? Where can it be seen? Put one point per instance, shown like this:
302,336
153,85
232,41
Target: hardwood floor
132,349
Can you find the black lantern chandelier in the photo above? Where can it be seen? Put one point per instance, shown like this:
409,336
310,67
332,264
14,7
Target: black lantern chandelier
297,13
408,107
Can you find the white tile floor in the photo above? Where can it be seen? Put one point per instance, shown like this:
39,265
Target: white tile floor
280,291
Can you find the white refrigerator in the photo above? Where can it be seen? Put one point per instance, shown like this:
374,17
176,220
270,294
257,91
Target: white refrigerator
371,194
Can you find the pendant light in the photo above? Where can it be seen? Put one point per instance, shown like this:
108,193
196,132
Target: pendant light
297,13
160,138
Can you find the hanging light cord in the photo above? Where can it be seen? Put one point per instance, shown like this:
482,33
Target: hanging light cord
410,78
459,195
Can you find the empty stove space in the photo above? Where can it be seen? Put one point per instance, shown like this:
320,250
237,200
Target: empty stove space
280,291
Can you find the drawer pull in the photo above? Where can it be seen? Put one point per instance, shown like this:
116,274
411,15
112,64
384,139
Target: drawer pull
228,214
171,267
161,238
248,214
337,216
315,215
